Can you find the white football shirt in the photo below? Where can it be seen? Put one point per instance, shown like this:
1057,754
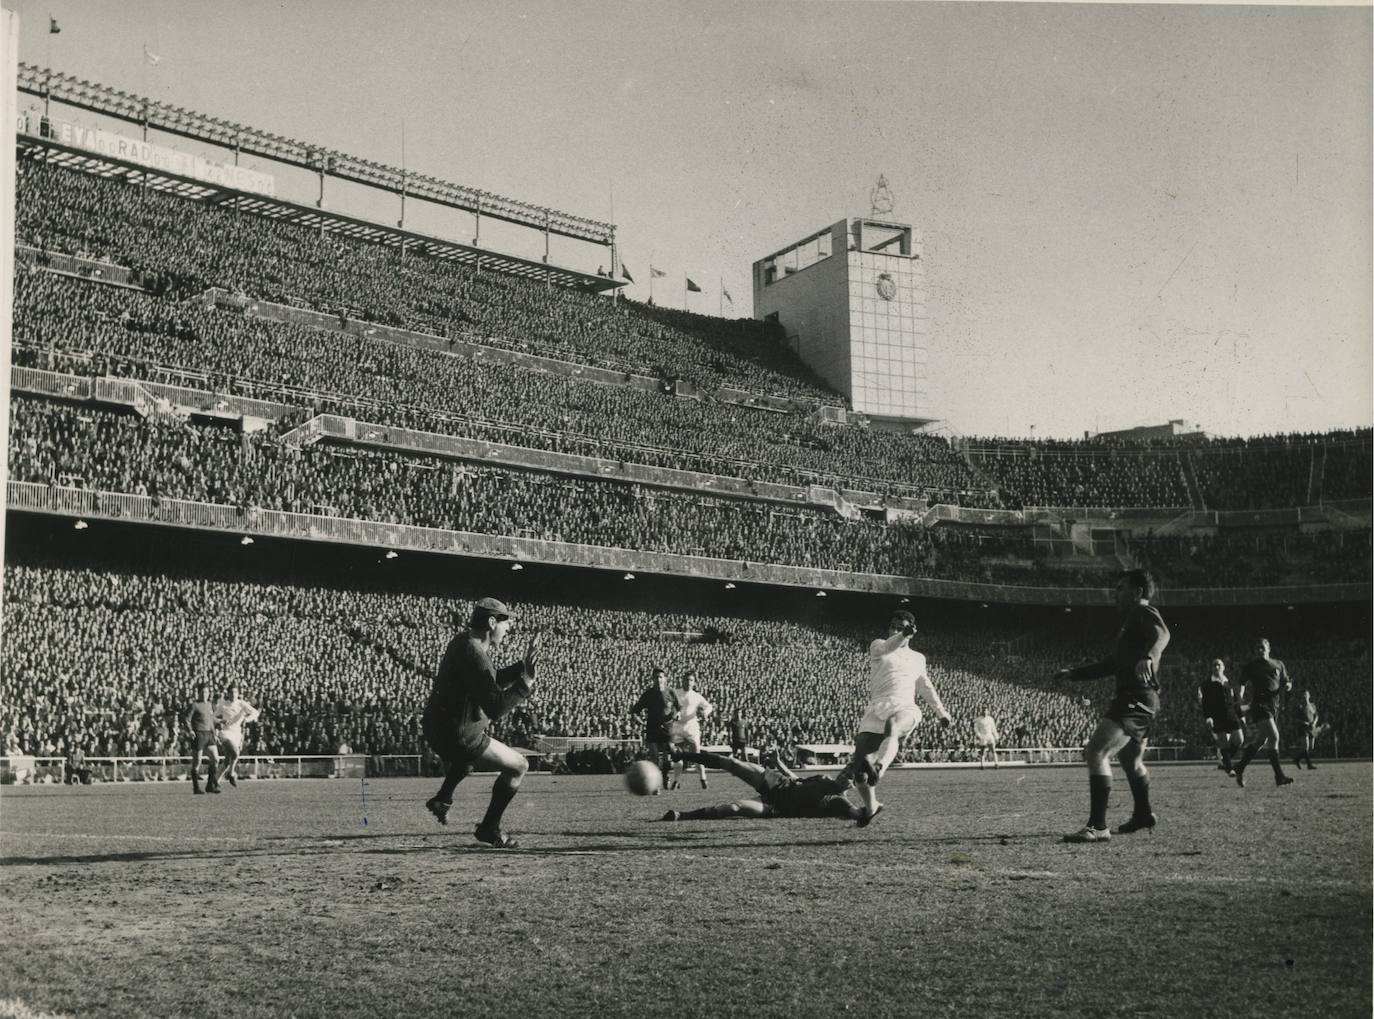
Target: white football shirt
232,715
691,706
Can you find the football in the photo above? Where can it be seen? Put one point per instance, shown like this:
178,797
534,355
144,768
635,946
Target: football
643,778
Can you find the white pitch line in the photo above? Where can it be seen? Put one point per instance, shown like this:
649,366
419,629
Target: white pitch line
971,868
13,1008
121,838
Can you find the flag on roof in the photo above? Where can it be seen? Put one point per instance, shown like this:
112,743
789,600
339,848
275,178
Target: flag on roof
53,26
657,274
692,287
727,295
626,272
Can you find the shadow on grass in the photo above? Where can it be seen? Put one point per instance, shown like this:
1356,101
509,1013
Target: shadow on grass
323,845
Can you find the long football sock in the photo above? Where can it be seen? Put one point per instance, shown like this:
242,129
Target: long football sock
1226,759
452,777
1140,792
502,792
1247,756
1099,792
1276,763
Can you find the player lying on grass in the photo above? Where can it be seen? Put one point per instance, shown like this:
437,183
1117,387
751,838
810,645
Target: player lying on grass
780,793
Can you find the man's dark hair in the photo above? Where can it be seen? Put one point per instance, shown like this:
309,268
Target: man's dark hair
1141,580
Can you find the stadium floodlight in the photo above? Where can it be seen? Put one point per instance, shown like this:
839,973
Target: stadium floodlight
516,567
391,553
245,540
820,594
80,525
729,585
628,576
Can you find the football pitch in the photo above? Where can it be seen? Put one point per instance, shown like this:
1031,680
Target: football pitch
333,898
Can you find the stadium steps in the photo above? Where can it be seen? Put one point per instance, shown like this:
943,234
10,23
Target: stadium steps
1195,497
1316,474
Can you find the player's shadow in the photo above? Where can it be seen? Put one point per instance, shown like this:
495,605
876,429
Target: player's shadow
320,846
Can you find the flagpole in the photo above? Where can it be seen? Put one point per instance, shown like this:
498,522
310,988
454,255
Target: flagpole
720,301
615,269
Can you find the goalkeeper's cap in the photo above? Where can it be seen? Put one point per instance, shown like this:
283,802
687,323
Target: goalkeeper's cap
488,607
906,617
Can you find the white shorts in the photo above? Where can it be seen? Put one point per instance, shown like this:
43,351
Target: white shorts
904,718
686,737
231,740
986,741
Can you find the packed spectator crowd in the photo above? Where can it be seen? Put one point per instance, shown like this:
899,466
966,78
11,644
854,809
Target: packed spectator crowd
197,246
66,324
51,442
1260,473
104,659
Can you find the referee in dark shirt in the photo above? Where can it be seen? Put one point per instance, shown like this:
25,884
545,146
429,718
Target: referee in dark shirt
660,708
1266,680
1125,726
1218,701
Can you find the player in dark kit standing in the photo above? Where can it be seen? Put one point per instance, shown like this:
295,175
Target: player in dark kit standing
1266,680
1218,700
468,693
199,718
1125,726
660,708
1309,719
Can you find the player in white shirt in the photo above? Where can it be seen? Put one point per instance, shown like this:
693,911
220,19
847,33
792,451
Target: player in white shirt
985,736
230,714
692,709
896,674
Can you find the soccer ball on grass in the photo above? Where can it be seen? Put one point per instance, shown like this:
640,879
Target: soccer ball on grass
643,778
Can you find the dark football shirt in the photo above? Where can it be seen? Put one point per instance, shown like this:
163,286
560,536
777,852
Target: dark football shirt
1143,635
1266,679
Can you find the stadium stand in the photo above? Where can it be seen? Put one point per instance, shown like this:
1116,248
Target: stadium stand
128,284
102,657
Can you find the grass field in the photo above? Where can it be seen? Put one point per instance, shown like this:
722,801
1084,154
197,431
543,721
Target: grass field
327,898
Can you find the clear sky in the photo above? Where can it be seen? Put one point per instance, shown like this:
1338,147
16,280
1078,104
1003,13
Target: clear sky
1131,213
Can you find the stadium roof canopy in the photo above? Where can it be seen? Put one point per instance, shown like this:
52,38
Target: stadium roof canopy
148,113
